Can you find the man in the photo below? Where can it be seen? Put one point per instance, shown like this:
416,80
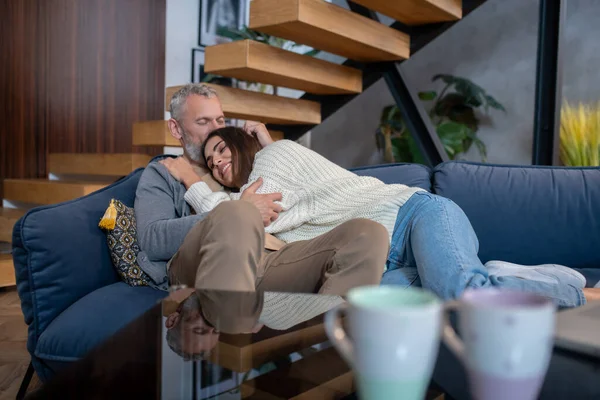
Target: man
228,248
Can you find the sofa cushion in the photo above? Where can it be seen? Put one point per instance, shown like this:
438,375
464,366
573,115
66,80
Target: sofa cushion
528,215
121,237
94,318
61,255
415,175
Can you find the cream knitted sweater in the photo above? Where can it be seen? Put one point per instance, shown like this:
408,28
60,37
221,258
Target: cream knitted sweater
317,195
284,310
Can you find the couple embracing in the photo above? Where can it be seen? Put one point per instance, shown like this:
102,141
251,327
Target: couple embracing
240,212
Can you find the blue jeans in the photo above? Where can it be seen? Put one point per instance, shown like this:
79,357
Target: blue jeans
435,246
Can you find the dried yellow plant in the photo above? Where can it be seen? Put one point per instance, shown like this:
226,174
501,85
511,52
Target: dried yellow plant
580,134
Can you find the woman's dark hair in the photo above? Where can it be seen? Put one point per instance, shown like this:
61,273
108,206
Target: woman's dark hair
243,148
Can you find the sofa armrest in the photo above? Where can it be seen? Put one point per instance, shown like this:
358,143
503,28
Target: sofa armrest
60,254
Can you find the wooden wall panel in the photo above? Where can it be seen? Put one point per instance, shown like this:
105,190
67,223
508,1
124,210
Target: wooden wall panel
75,76
22,91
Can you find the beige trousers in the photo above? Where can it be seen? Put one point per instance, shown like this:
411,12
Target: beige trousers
226,251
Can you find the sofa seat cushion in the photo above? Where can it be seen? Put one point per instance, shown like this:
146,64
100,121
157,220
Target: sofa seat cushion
414,175
94,318
528,215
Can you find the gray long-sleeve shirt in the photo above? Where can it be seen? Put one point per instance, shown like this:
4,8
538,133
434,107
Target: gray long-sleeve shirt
163,220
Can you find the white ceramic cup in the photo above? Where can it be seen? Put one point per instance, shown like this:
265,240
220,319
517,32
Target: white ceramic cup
395,334
506,345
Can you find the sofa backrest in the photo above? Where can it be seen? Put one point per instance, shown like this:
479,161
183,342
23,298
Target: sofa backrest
528,215
60,254
415,175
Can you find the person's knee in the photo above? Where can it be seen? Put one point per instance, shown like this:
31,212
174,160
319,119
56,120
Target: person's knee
230,221
235,213
446,206
369,237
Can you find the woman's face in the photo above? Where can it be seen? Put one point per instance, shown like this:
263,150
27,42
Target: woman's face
218,160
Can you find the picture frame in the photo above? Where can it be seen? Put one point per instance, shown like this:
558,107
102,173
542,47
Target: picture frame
198,75
216,15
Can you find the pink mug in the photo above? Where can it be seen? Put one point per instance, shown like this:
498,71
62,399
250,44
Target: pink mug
507,341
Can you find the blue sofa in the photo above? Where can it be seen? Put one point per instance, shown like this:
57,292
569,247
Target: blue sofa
72,298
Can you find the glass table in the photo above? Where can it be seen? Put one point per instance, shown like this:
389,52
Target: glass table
200,344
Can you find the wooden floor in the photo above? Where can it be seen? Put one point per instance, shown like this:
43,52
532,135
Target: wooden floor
14,357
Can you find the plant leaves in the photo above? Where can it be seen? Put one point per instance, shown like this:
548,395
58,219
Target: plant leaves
452,136
428,96
492,102
444,105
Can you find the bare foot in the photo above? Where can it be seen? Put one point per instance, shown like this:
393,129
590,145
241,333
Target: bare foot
592,294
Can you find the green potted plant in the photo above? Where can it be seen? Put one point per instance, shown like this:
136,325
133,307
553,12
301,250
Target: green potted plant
453,113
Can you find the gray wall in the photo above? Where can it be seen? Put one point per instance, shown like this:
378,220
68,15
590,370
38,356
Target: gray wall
495,46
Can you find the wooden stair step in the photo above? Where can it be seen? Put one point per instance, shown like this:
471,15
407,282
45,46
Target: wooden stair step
7,270
42,191
156,133
95,164
255,106
417,12
329,27
8,218
258,62
153,133
323,375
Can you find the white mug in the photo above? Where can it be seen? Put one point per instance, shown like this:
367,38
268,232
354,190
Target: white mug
395,334
507,340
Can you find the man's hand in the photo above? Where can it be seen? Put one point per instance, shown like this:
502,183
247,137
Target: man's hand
181,170
253,128
269,211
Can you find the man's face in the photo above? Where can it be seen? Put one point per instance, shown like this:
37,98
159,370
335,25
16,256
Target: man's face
196,335
201,116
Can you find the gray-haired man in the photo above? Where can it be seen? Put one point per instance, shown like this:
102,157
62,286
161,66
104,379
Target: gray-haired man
228,248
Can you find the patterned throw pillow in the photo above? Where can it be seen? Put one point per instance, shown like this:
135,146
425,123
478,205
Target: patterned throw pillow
121,235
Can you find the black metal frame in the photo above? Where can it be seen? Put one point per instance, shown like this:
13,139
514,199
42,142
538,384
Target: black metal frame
25,382
548,86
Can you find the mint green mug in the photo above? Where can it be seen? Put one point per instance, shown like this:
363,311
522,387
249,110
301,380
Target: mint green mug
395,335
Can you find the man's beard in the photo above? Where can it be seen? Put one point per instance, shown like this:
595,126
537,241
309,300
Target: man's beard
193,150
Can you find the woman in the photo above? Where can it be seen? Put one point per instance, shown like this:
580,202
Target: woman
432,241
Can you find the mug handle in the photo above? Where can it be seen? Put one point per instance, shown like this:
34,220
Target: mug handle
337,335
451,339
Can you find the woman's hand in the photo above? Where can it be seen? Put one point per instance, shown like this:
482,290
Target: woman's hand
260,130
181,170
